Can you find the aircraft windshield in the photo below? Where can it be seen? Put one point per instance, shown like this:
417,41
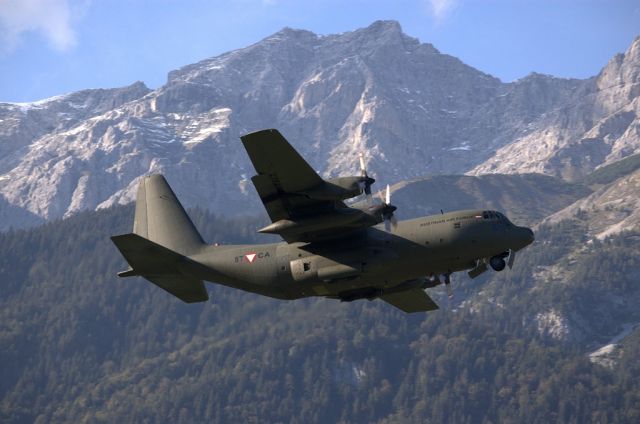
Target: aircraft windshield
495,215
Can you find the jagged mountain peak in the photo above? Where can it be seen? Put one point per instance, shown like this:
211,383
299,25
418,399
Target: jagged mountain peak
297,42
288,33
103,98
633,52
277,50
413,110
382,25
385,31
623,68
595,123
381,36
377,30
538,76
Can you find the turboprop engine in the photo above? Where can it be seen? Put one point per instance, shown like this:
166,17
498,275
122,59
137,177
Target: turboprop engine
342,188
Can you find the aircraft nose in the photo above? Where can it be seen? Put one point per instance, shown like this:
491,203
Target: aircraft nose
530,234
526,236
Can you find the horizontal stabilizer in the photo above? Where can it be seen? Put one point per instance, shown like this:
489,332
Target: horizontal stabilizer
161,266
412,300
128,273
187,289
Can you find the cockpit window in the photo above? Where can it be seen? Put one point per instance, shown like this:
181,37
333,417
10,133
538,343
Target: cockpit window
494,215
503,218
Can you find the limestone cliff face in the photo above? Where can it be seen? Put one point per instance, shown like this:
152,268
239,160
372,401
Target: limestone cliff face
413,110
597,124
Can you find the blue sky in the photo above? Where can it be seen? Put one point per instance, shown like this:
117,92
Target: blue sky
50,47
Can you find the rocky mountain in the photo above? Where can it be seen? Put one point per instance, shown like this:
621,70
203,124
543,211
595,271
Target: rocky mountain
26,131
413,110
554,339
23,123
596,125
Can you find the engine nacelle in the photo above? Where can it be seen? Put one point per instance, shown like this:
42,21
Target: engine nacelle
342,217
340,188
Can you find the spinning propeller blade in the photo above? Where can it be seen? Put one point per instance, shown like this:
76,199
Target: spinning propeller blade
363,169
387,208
365,183
390,220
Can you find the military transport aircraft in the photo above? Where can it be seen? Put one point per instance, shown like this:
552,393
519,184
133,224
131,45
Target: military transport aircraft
331,248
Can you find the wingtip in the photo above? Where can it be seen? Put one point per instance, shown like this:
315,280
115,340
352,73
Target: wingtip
244,138
126,236
204,298
127,273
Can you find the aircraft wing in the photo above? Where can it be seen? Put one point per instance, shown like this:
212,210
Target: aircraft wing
412,300
282,174
273,156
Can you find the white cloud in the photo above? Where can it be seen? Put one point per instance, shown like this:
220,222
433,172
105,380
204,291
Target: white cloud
51,18
440,9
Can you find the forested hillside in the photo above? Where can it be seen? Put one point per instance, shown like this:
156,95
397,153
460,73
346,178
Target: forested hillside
77,344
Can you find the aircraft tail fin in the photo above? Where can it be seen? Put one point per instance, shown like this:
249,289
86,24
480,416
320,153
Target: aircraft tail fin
161,218
163,236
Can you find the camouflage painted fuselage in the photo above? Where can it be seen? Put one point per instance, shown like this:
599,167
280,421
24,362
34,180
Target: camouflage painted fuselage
430,245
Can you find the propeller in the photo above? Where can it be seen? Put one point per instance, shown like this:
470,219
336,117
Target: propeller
366,181
387,210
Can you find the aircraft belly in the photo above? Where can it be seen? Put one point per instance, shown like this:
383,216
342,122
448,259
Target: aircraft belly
376,265
422,259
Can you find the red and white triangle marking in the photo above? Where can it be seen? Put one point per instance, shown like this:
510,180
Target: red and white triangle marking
250,257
